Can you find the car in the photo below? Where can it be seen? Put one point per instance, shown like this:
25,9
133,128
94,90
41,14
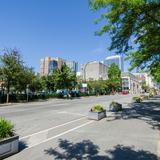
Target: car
124,92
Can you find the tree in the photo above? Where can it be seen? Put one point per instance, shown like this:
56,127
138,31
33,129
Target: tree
11,68
114,77
134,27
64,78
144,86
99,86
36,84
48,82
25,78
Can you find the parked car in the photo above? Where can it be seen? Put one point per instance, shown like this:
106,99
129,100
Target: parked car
125,92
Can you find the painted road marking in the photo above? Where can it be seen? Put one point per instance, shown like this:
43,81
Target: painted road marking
158,148
61,134
46,130
65,112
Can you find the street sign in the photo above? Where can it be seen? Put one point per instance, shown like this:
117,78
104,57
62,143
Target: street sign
84,85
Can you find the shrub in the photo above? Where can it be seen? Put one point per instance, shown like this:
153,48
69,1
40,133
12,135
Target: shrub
144,97
152,92
6,128
83,94
151,95
97,108
137,99
115,106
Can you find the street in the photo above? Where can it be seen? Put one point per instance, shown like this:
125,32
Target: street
59,129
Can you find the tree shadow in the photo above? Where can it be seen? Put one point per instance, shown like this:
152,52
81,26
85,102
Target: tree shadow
78,151
120,152
87,150
22,145
148,111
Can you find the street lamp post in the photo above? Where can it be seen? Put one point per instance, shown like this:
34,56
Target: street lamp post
27,91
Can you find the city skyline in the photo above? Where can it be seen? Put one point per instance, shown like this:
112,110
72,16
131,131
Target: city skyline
48,64
39,29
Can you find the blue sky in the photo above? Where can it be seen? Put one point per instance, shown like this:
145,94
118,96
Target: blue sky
57,28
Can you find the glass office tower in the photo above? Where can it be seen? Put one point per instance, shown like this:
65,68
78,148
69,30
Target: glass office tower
117,59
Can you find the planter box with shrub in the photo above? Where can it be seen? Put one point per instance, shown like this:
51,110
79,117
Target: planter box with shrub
144,97
114,111
137,99
115,107
97,112
8,140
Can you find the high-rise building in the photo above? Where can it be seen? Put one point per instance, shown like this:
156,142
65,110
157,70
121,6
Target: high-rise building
44,65
72,65
94,71
53,65
60,61
117,59
49,64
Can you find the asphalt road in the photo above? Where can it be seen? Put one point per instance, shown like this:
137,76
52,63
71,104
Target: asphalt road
59,129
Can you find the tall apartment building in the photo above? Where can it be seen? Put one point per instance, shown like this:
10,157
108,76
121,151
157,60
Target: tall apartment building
60,61
94,71
72,65
49,64
44,65
117,59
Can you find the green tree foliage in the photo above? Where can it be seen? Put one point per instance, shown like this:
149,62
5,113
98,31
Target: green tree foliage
144,86
133,23
114,77
15,75
64,78
11,68
24,79
99,86
36,84
48,83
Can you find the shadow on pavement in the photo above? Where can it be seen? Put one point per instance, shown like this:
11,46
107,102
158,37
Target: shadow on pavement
148,111
87,150
22,145
121,152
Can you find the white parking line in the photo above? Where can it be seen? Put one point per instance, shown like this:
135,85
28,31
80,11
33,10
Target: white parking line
46,130
158,148
65,112
63,133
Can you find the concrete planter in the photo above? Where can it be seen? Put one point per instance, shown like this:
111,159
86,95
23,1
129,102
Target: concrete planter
8,146
112,115
115,107
136,101
97,115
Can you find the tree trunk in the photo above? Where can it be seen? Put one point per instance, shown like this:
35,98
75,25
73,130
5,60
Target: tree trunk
7,100
112,90
8,88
